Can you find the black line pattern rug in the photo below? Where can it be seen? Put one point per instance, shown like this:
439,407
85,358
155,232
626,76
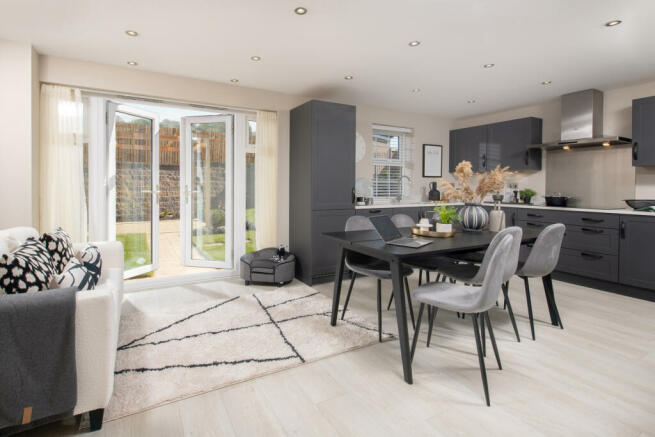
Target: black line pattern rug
199,348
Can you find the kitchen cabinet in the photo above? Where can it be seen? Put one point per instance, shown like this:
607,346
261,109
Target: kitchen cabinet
504,143
637,251
322,181
643,131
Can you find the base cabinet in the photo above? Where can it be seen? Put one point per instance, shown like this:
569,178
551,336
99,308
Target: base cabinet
637,251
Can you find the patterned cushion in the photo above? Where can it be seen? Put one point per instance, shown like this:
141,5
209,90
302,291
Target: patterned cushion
76,275
28,268
60,246
92,261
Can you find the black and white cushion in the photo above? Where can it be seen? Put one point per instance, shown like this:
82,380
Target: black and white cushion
91,259
76,275
60,246
28,268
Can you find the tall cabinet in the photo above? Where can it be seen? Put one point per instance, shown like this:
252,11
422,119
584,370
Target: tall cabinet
321,185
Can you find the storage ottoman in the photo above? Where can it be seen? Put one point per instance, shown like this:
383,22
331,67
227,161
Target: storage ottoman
264,266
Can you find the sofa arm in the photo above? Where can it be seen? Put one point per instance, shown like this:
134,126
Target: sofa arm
96,335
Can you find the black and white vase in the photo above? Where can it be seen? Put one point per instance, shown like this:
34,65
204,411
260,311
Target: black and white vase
474,217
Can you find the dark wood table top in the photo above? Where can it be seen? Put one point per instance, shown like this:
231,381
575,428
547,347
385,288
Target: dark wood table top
370,243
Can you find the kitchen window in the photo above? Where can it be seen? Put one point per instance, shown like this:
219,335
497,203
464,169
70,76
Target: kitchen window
391,152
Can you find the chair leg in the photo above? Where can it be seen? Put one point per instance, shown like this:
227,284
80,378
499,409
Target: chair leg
483,370
390,300
427,277
529,302
409,302
350,290
493,340
511,313
417,330
432,316
551,291
420,277
379,310
482,334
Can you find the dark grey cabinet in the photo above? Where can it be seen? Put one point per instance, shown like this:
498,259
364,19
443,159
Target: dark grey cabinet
321,185
637,251
504,143
643,131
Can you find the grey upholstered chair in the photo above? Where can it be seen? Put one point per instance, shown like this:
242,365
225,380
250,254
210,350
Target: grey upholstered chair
541,262
469,299
471,274
364,265
402,221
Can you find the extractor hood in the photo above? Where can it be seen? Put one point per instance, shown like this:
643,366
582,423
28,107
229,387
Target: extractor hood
582,123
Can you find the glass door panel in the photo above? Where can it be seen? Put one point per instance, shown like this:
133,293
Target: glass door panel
134,194
207,147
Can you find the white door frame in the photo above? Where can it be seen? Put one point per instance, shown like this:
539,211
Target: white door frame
186,192
112,109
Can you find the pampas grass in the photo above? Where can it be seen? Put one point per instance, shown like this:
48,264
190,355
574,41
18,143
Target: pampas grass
461,191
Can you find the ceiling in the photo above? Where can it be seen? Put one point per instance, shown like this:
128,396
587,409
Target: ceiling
529,41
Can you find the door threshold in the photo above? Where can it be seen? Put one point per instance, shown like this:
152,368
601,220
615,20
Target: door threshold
174,281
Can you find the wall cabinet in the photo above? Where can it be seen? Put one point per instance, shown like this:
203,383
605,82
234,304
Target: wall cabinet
643,131
322,181
505,143
637,251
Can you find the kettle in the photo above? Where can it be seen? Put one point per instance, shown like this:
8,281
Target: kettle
434,194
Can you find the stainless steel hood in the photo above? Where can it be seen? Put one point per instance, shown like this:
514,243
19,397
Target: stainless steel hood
582,123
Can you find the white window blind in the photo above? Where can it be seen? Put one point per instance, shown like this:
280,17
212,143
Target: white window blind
392,147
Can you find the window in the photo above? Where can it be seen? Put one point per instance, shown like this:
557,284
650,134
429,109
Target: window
250,186
391,151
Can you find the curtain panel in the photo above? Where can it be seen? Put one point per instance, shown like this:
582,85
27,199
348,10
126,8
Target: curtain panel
62,193
266,179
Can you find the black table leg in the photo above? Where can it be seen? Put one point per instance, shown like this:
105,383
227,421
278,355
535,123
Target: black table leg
338,277
401,319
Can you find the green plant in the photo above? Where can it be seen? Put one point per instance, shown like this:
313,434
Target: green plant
447,214
527,193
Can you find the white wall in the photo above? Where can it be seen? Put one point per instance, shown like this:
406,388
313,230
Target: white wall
617,120
19,134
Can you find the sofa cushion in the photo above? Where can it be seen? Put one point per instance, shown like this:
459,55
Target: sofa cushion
60,247
7,244
90,257
77,275
28,268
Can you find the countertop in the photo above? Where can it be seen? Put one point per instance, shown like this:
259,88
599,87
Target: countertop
621,211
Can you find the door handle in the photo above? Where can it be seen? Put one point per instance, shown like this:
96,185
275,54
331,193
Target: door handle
593,231
623,230
592,220
527,158
635,151
590,255
354,197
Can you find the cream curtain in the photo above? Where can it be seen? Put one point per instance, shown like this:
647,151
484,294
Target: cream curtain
266,179
62,198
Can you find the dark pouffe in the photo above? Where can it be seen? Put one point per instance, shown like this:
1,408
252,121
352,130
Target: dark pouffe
264,266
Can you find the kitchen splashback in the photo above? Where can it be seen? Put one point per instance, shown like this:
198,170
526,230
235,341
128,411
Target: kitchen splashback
602,177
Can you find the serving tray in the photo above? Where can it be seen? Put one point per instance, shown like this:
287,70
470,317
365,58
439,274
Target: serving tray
434,234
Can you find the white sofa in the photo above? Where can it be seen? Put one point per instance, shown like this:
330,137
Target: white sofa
97,318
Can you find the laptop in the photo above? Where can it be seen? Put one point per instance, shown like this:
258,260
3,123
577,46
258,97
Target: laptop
391,235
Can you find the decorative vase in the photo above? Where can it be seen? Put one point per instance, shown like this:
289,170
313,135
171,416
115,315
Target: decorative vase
474,217
444,228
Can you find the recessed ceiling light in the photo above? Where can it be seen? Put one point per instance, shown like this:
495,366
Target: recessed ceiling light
489,65
414,43
613,23
470,101
349,77
255,58
132,32
416,90
300,10
546,82
234,80
132,63
567,147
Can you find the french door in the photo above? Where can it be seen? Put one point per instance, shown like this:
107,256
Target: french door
207,148
133,185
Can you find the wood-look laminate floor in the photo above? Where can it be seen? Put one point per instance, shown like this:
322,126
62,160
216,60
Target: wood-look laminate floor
595,377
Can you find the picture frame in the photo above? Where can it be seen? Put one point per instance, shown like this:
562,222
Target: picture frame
432,160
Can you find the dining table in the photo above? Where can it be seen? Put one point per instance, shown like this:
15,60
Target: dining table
370,243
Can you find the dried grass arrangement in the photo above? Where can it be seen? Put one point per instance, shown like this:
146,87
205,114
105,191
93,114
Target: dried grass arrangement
462,191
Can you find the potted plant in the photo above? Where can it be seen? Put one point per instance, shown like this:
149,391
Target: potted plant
447,216
473,216
526,194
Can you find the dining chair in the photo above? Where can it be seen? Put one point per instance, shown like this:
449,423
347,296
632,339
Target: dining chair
472,274
541,262
470,299
360,264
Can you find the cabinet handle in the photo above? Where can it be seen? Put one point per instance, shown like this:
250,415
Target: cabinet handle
536,225
374,211
353,194
527,157
623,230
593,231
592,220
590,255
484,161
534,215
635,151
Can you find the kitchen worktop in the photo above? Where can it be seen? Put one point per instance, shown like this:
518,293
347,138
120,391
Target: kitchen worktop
622,211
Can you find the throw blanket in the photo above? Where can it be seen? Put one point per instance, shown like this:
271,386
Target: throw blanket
37,357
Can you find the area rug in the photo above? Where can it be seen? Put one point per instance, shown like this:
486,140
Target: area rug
200,348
